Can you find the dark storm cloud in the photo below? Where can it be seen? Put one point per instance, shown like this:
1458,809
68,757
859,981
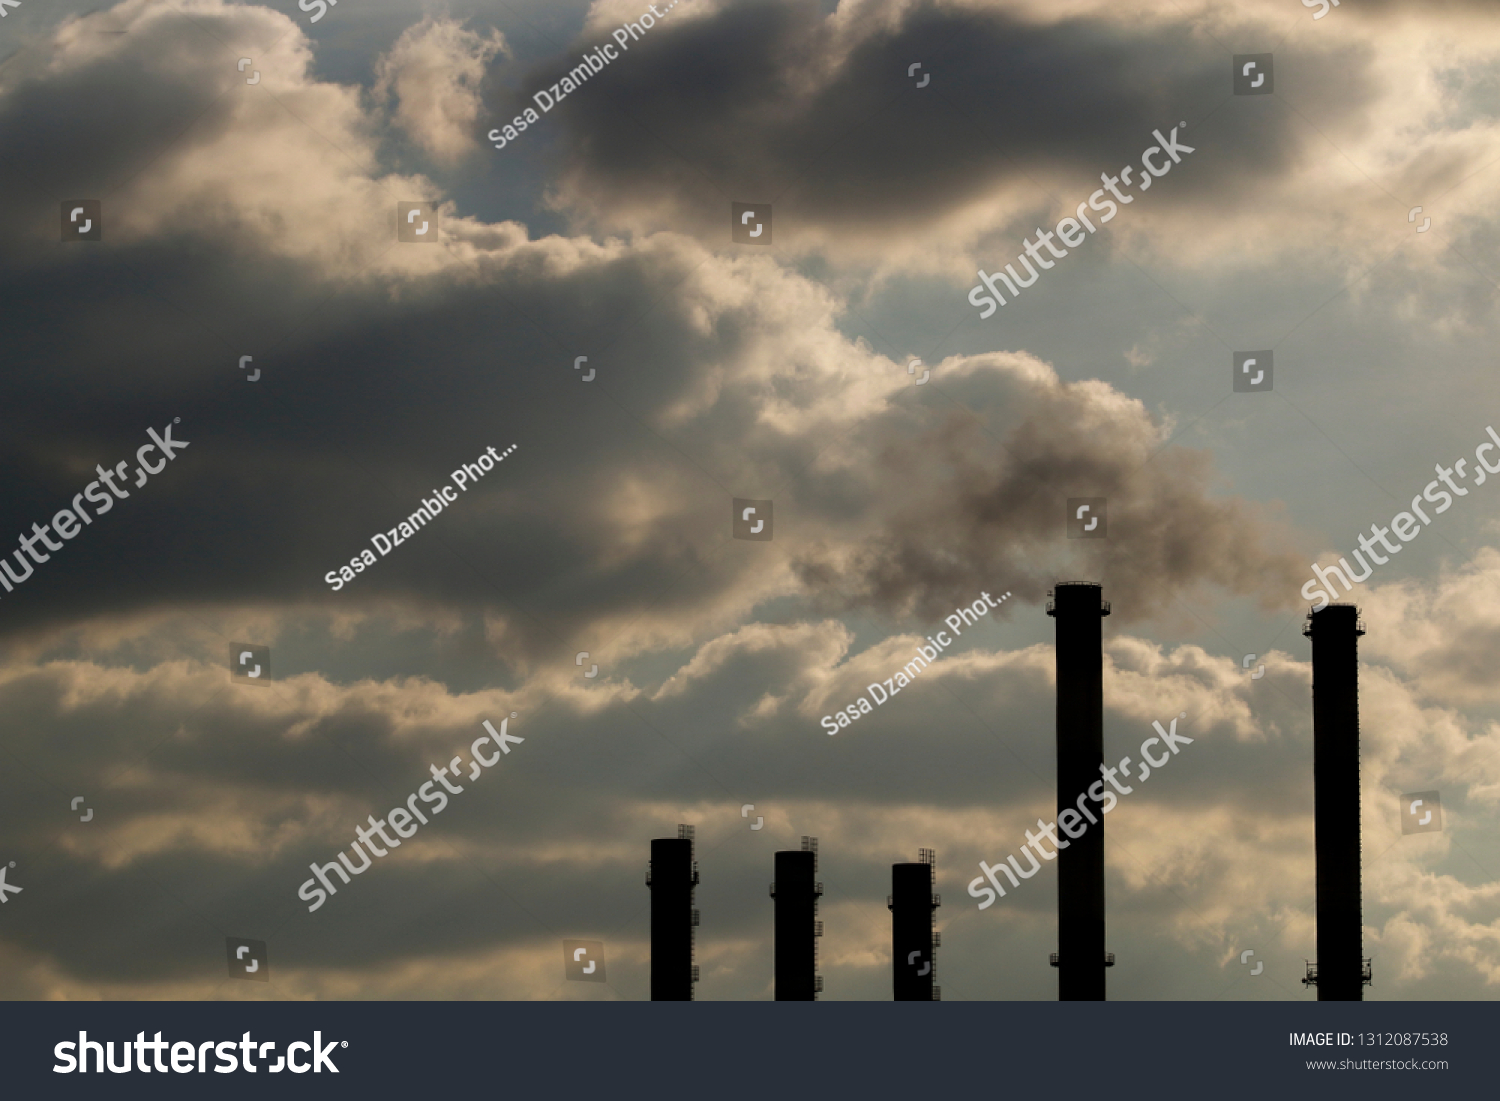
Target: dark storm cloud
249,232
820,114
385,366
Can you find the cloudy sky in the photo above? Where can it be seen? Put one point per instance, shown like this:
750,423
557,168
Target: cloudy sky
261,220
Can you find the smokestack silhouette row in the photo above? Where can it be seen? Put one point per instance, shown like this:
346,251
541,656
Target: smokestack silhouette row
673,874
1340,974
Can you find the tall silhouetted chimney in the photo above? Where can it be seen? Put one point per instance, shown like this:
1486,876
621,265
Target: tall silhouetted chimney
1080,960
672,875
796,892
913,915
1341,970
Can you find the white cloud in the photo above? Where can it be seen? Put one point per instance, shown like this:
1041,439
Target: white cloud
433,73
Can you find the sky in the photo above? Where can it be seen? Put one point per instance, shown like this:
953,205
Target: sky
251,169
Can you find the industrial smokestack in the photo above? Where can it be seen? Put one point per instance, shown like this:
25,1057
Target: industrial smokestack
913,915
796,892
1341,970
672,875
1079,610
